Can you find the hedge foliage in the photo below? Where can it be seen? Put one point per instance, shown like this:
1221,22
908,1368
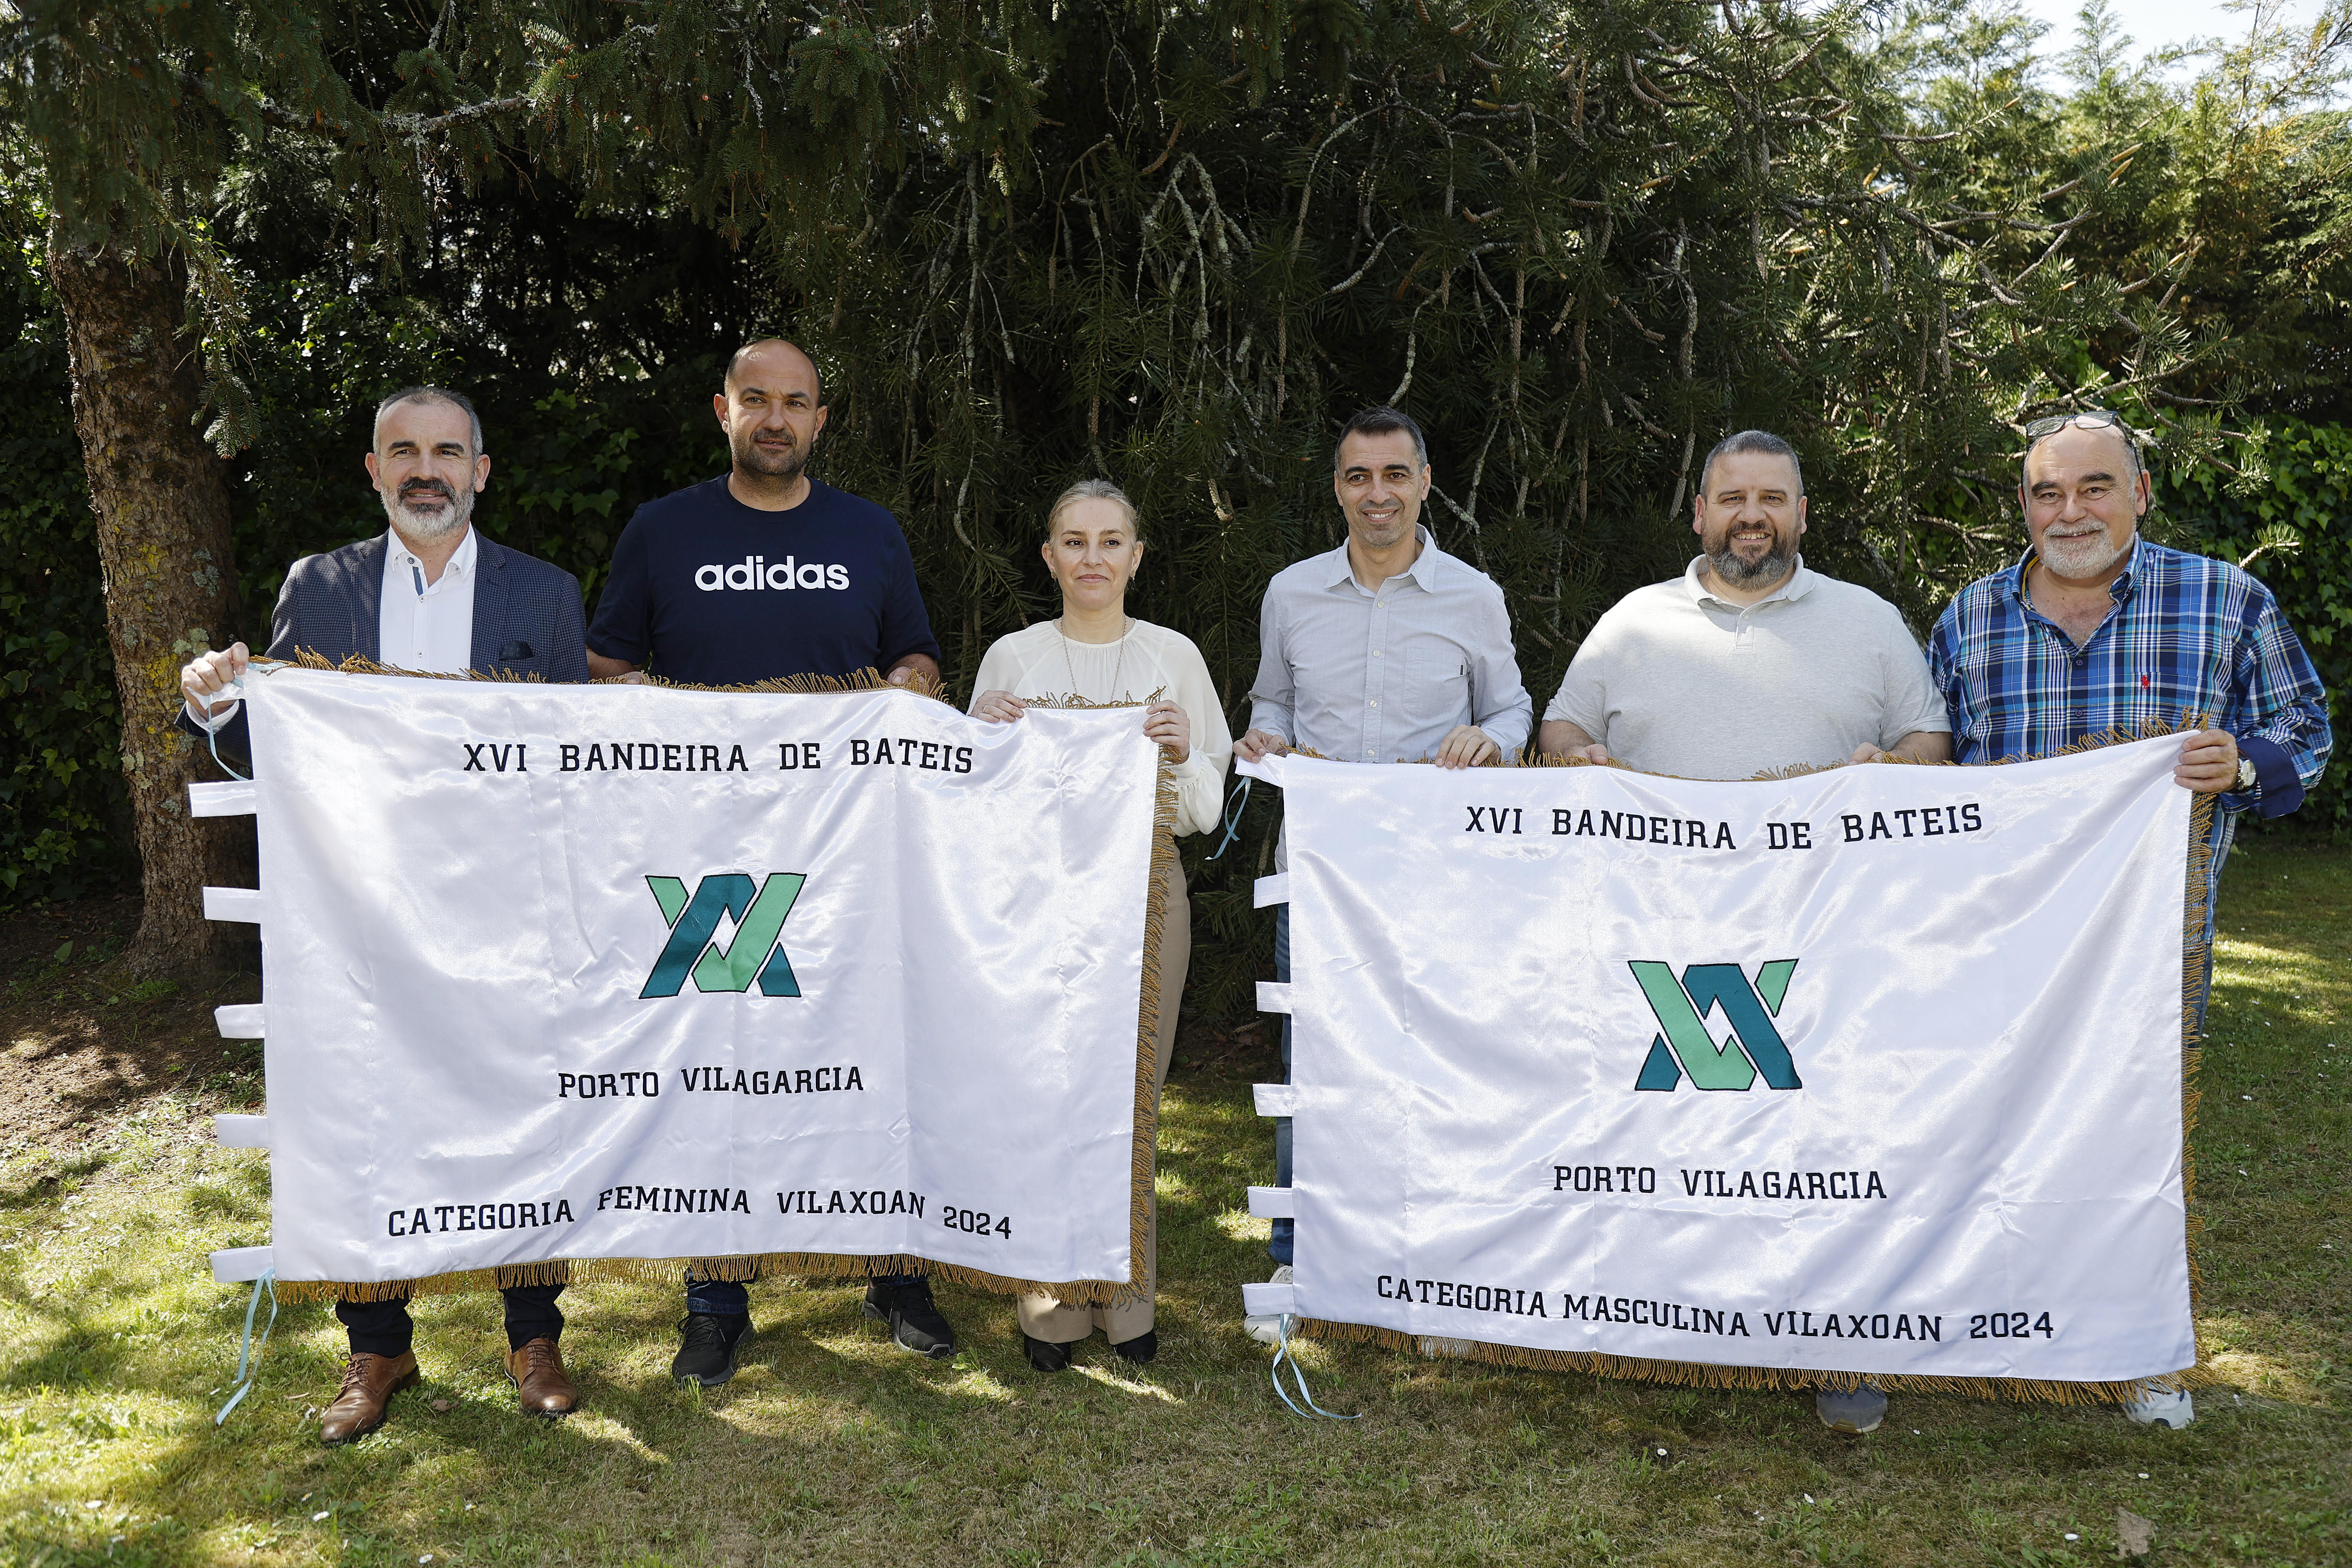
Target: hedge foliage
2294,530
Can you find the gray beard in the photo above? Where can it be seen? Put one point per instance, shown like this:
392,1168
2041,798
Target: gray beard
1729,568
425,529
2083,557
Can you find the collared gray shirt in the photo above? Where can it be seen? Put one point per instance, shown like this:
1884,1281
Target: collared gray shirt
1383,676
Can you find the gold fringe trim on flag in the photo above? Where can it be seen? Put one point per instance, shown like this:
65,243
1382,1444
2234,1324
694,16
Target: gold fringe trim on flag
1708,1375
868,680
747,1267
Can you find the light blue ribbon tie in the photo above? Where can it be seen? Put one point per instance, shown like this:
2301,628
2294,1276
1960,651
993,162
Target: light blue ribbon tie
1235,804
1281,1354
248,1354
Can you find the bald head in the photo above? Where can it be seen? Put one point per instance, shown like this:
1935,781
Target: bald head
772,412
774,366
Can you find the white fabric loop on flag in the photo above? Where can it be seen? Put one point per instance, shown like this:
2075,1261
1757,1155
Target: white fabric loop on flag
1270,1203
240,1023
232,798
1274,997
1263,1300
233,904
240,1265
1274,889
1276,1098
232,1132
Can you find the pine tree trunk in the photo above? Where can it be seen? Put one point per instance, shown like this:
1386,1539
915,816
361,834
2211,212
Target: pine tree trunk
163,540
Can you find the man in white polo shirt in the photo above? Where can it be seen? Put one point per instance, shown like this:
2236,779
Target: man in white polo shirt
1748,661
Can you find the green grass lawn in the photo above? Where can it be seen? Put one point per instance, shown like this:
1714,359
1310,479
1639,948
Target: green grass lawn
115,1348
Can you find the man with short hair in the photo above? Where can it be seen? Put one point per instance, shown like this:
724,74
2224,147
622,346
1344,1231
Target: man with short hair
2095,631
762,574
430,594
1386,650
1787,668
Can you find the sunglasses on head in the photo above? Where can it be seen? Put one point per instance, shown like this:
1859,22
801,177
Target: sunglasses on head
2087,419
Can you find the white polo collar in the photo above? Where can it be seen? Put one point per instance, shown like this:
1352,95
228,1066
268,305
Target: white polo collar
1799,582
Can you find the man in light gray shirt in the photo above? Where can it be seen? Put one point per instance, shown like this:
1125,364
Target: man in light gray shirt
1748,661
1386,650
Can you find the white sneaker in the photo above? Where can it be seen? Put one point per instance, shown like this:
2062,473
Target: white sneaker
1432,1346
1266,1327
2156,1406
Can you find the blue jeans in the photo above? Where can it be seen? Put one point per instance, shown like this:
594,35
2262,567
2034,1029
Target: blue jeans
732,1298
1279,1248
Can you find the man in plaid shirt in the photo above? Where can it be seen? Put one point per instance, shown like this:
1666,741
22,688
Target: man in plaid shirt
2096,629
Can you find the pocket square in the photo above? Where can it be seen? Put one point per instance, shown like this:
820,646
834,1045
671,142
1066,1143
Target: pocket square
513,650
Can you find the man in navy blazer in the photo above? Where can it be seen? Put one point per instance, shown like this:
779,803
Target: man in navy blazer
430,594
428,464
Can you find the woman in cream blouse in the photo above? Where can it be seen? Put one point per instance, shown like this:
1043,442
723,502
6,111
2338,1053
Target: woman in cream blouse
1098,652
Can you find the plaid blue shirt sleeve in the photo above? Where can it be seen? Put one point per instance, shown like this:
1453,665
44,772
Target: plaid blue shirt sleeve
2190,640
2277,706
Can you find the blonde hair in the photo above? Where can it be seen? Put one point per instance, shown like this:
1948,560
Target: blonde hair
1094,489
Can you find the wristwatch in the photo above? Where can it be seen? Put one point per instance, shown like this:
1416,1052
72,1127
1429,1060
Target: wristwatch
2246,773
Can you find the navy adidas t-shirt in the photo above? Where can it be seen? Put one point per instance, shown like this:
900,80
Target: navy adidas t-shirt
709,592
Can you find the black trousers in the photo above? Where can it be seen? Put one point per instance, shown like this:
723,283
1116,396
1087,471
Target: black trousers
384,1328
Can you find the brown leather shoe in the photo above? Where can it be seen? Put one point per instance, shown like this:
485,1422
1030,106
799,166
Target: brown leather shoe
537,1373
369,1384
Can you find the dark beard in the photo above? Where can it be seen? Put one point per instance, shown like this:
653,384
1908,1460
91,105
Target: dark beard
749,458
1773,566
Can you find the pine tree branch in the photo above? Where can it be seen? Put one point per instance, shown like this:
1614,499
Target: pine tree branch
318,124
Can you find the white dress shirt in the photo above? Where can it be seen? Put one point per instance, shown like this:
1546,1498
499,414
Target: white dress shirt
427,626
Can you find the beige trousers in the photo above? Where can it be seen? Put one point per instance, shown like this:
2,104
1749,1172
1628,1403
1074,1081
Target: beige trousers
1044,1317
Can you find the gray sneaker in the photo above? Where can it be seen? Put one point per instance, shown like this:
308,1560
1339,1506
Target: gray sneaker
1857,1410
2156,1406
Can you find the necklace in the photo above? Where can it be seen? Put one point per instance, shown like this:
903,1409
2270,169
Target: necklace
1127,625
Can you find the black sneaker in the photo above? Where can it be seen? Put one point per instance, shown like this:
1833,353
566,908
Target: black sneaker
915,1323
706,1343
1141,1348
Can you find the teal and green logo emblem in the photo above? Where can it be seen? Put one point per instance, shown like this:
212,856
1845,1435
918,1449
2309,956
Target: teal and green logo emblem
752,953
1684,1044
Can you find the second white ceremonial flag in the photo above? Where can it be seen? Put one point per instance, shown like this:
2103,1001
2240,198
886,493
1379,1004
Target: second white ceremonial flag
628,974
1872,1071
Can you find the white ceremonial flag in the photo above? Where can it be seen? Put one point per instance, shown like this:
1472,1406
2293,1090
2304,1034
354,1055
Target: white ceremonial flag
1872,1071
627,973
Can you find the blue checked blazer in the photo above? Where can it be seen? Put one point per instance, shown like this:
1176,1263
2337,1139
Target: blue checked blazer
527,617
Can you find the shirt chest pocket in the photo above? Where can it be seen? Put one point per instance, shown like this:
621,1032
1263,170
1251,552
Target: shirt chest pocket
1436,684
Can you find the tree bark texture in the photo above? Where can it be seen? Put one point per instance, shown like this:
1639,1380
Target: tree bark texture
163,540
